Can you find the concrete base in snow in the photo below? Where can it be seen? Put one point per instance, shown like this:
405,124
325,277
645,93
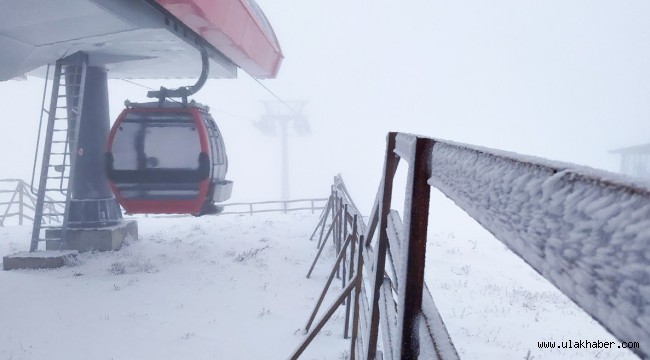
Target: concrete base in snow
38,259
95,239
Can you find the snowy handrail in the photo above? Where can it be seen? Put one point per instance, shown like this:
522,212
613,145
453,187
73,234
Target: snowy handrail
586,231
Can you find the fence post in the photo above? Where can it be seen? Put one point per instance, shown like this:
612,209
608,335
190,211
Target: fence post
349,299
330,204
333,211
345,236
4,216
411,276
339,234
377,278
357,293
20,190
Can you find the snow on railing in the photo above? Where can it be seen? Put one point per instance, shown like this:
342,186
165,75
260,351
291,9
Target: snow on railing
16,201
586,231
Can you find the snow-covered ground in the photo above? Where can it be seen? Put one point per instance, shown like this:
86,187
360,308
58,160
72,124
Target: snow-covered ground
230,287
234,287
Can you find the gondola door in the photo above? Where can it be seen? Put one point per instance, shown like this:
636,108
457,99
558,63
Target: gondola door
220,188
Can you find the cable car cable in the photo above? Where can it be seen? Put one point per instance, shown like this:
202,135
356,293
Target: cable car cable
274,95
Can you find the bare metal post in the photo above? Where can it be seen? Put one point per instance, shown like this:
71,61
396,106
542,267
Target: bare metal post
355,284
332,208
339,230
345,236
321,222
358,279
325,214
340,258
320,250
347,302
312,334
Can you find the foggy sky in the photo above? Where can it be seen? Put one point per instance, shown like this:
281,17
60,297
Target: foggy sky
566,80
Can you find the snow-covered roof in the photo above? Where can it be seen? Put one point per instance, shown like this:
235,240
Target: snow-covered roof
638,149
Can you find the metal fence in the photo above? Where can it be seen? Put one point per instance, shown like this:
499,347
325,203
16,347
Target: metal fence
17,204
242,208
586,231
284,206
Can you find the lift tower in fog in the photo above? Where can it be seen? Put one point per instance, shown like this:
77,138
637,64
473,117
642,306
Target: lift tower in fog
279,115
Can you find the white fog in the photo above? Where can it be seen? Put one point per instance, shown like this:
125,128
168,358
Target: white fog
560,80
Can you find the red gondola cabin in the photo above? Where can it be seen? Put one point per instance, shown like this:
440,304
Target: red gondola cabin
167,158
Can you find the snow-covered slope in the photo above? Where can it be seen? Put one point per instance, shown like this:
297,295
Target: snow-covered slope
234,287
230,287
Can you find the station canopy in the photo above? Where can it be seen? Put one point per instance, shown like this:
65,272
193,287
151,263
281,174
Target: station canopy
138,39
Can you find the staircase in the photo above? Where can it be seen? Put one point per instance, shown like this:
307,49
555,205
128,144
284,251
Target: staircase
59,151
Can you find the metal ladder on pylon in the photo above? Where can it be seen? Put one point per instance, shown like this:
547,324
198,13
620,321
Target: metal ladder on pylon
53,195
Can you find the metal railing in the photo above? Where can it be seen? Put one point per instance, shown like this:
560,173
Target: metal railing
586,231
17,202
284,206
250,208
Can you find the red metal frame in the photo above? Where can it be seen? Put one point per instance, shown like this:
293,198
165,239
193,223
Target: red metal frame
164,206
235,28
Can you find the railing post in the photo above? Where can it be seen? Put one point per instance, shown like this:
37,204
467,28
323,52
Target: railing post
339,234
5,215
377,278
330,203
357,293
348,301
345,236
333,211
413,255
20,189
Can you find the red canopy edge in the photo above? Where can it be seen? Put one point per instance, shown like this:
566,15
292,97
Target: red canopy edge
237,28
